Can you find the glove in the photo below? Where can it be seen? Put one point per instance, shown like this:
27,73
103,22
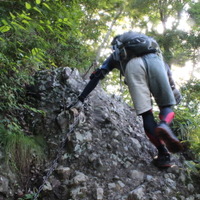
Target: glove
177,95
77,104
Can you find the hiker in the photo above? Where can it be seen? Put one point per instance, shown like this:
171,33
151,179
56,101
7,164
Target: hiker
139,59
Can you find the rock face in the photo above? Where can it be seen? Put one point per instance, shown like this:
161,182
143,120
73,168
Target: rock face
106,156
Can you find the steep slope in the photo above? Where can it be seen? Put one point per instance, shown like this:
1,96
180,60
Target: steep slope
106,156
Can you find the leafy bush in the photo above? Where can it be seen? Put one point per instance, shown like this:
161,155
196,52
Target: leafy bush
21,151
33,37
186,123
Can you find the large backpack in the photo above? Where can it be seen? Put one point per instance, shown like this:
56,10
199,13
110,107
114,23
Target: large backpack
132,44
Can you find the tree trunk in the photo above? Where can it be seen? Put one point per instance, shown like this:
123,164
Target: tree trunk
102,45
105,40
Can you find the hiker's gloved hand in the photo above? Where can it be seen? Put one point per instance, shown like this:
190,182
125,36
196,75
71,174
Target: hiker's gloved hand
76,105
177,95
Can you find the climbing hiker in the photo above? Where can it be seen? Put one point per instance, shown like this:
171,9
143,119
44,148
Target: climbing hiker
139,59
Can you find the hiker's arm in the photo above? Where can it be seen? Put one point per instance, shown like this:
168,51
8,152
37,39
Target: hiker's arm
96,76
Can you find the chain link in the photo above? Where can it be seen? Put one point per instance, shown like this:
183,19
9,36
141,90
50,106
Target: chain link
55,161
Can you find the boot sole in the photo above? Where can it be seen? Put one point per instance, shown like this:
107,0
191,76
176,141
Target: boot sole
163,166
173,144
167,165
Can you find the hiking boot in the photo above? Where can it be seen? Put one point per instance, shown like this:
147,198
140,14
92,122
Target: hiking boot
164,132
162,161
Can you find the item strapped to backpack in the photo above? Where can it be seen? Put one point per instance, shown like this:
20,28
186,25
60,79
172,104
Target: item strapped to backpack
132,44
119,52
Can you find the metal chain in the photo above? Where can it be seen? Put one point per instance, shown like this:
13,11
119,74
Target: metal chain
55,161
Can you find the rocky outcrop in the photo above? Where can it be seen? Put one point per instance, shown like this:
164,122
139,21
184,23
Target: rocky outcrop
106,155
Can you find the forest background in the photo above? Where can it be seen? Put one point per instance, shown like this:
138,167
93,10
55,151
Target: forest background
44,34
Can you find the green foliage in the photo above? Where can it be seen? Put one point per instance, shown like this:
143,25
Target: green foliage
186,123
187,114
27,196
193,168
12,89
21,151
177,45
38,36
194,12
191,91
195,141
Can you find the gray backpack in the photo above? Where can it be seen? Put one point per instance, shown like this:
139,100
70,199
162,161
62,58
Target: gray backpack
132,44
